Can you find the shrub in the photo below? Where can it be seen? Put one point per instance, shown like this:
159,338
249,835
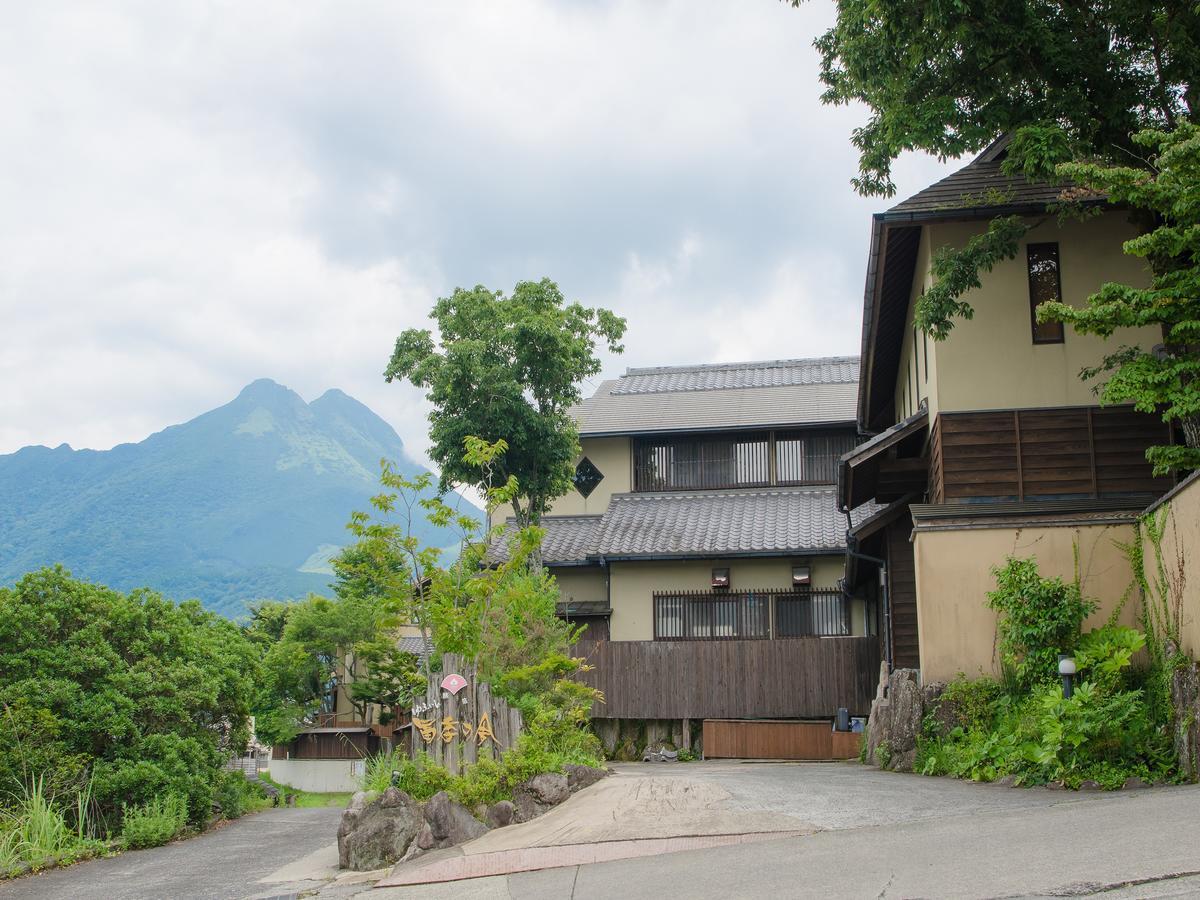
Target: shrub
1038,619
234,795
153,823
126,687
420,778
1105,731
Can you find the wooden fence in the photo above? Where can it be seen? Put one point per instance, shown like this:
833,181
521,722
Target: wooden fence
741,679
457,729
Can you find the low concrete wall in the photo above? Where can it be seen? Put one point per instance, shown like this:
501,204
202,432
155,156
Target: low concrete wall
1180,557
957,629
321,776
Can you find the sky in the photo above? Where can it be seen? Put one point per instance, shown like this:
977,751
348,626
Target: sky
195,195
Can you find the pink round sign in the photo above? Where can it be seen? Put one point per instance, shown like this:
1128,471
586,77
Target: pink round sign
453,683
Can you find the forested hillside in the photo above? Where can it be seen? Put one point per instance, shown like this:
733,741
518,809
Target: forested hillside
243,502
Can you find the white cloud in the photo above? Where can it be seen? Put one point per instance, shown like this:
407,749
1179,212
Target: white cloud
196,195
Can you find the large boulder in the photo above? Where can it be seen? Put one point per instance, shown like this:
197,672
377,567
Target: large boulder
579,777
538,794
450,823
896,717
376,830
501,814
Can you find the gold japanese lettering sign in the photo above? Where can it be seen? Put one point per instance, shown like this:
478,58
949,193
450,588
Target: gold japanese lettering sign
448,729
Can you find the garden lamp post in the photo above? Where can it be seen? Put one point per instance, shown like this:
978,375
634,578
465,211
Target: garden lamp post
1066,669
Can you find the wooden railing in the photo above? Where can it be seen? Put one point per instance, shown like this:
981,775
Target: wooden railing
749,615
802,678
757,459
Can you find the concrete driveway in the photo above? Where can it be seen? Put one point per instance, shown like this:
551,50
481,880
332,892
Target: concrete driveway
835,830
292,849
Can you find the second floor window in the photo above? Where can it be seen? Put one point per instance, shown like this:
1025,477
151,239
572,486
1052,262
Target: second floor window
709,462
1044,284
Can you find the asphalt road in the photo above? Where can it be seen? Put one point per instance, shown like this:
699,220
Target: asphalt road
891,836
225,864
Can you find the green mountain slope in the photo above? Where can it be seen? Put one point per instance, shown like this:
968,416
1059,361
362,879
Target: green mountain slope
246,501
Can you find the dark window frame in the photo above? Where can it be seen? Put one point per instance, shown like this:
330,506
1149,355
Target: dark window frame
778,458
1051,249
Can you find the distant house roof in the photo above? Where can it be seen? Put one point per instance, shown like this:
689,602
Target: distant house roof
679,525
417,646
726,396
568,541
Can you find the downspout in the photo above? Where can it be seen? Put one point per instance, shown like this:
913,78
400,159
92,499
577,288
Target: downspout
851,542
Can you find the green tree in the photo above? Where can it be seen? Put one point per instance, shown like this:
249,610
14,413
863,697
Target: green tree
507,368
145,696
1164,379
1073,85
313,657
1070,79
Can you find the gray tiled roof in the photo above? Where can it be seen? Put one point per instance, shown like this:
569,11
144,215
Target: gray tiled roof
980,185
568,541
723,376
417,646
718,523
777,393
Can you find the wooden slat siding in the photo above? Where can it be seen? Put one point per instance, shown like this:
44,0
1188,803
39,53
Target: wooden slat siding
329,745
1083,452
799,678
902,595
736,739
936,474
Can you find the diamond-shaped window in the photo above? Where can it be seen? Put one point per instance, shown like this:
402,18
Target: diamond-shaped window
587,476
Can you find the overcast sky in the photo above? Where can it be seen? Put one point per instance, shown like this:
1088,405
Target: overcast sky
193,196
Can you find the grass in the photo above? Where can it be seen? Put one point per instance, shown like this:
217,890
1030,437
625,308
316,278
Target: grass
307,799
34,831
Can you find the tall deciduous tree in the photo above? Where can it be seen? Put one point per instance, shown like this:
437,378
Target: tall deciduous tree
1165,378
948,77
507,368
1072,84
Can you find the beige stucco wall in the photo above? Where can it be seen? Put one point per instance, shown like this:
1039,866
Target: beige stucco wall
1180,556
991,362
956,629
916,377
584,584
613,457
633,585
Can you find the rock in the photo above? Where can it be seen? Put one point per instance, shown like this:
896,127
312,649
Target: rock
549,788
1054,786
394,797
896,716
376,831
451,823
903,762
500,814
1006,781
1133,783
579,777
1090,785
425,839
538,794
